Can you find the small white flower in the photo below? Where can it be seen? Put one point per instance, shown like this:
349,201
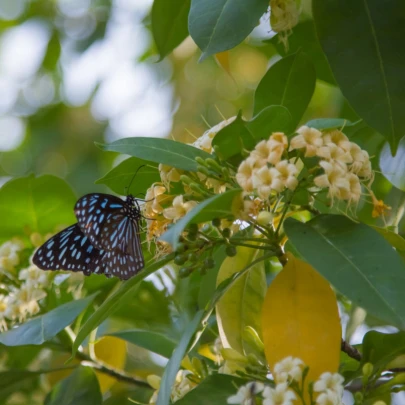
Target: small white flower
308,138
290,367
266,180
153,199
329,398
338,138
353,193
281,395
335,179
284,15
179,208
34,277
246,394
332,152
244,176
168,174
329,381
182,385
287,174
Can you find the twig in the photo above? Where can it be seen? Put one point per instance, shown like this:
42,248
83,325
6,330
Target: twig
350,350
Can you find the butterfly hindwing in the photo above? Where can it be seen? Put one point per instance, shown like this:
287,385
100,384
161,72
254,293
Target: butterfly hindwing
70,250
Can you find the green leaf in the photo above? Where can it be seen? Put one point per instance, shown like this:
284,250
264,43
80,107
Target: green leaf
35,204
328,123
381,348
43,328
240,305
53,52
219,25
274,118
232,139
395,240
169,24
119,178
363,41
393,167
215,389
114,301
356,260
153,341
80,388
169,375
303,37
290,82
158,150
218,206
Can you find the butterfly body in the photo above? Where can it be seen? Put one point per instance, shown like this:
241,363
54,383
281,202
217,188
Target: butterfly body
105,239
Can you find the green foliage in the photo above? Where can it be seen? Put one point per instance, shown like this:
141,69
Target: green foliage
363,44
356,260
290,82
35,204
218,206
329,123
152,341
169,24
215,389
119,178
393,167
45,327
169,375
165,151
80,388
219,25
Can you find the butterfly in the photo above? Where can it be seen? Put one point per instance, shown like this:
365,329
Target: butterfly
105,239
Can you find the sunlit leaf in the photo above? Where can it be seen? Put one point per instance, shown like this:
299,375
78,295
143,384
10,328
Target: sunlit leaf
363,42
290,82
300,303
120,177
329,123
35,204
158,150
356,260
219,25
240,305
393,167
43,328
169,24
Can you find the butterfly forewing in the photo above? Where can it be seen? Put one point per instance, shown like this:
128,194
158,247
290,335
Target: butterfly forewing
70,250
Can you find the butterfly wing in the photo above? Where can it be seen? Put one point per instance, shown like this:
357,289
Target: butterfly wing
70,250
98,216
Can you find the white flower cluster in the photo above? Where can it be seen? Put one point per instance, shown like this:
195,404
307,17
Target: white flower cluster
180,388
344,163
329,387
21,301
264,171
284,15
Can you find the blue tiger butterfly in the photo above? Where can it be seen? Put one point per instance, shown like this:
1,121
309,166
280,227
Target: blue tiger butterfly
105,239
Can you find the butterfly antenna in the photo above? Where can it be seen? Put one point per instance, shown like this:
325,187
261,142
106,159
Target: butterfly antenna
133,177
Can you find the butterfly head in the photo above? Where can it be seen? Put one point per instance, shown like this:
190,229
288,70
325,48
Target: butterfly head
133,206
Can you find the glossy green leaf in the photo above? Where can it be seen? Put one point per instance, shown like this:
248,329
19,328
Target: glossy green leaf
114,301
153,341
169,24
393,167
381,348
363,41
119,178
274,118
290,82
219,25
240,305
329,123
303,37
218,206
214,390
232,139
356,260
158,150
395,240
173,366
43,328
80,388
35,204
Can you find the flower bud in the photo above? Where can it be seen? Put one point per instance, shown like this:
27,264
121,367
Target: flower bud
185,179
200,160
36,239
203,170
211,163
367,370
264,218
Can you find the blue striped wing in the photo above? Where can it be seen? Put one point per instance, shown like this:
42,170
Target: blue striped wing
70,250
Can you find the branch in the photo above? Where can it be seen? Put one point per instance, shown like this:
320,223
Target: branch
350,350
112,372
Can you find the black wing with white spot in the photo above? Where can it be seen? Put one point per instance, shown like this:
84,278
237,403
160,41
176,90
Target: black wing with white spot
98,216
70,250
